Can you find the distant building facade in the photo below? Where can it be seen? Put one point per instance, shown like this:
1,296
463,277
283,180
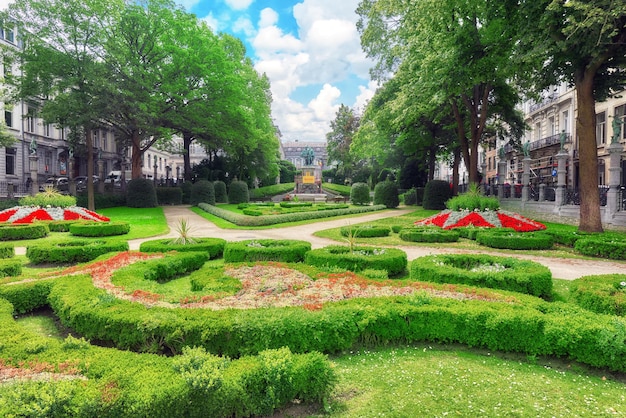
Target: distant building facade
292,151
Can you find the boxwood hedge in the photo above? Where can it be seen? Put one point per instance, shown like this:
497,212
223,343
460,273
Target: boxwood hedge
428,234
392,260
614,249
495,238
604,294
173,265
266,250
10,268
74,251
10,232
214,247
7,250
365,231
99,229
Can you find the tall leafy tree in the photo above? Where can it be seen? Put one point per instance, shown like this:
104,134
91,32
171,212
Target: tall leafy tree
339,139
583,43
61,61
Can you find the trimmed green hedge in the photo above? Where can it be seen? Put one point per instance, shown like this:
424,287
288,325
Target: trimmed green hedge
173,265
10,268
99,229
169,195
291,251
243,220
485,271
61,226
600,247
365,231
7,250
392,260
28,296
214,247
471,231
289,204
504,239
11,232
603,294
428,234
360,194
74,251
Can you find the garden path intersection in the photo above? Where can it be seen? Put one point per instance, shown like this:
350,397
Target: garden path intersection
561,268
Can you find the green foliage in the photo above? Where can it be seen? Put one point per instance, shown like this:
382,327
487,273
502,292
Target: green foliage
428,234
386,193
221,196
485,271
473,200
603,294
60,226
605,247
338,189
266,192
169,195
238,192
99,229
102,200
214,247
74,251
392,260
360,194
413,196
173,265
436,194
48,198
505,239
186,188
6,250
202,191
10,268
141,193
28,296
9,232
365,231
290,251
296,204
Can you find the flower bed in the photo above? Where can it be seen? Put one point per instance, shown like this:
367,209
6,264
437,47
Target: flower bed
449,219
29,214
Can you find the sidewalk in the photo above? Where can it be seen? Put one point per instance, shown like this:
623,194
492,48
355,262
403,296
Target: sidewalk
568,269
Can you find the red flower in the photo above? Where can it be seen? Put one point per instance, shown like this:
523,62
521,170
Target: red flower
473,218
519,223
70,216
438,220
37,215
5,215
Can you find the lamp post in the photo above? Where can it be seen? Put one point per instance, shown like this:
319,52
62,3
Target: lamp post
154,178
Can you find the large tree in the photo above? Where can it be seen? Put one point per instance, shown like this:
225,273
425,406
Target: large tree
582,42
338,140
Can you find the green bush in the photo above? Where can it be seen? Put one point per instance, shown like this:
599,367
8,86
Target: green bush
286,204
410,197
186,188
392,260
60,226
99,229
102,200
614,249
365,231
238,192
74,251
436,194
11,232
506,239
386,193
603,294
214,247
471,201
221,196
48,198
10,268
169,195
27,296
173,265
141,193
339,189
266,192
428,234
360,194
202,191
7,250
291,251
504,273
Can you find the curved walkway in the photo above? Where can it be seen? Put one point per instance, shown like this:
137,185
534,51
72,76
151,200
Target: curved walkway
568,269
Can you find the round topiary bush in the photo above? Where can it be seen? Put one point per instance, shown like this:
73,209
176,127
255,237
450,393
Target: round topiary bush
386,193
603,294
202,191
99,229
213,246
504,273
428,234
511,240
290,251
140,193
221,196
360,194
365,231
238,192
392,260
410,197
436,194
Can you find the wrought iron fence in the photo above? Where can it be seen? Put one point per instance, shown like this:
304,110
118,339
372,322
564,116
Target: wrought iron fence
17,189
572,196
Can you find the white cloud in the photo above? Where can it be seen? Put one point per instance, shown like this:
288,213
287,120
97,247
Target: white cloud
365,95
4,4
239,4
245,26
324,105
268,17
212,22
187,4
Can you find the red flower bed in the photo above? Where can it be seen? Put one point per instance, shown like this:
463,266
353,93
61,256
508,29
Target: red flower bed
37,215
5,215
474,218
519,223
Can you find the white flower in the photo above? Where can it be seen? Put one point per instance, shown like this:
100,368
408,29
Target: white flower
623,284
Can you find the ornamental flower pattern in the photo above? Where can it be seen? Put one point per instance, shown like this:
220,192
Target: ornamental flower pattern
448,219
30,214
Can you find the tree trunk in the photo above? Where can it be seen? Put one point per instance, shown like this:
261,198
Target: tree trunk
590,218
187,139
137,155
455,171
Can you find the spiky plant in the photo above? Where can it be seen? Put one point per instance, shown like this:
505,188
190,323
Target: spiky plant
184,230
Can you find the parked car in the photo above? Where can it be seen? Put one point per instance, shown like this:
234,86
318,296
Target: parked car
61,184
81,182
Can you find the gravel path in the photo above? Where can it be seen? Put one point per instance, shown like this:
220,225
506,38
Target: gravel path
568,269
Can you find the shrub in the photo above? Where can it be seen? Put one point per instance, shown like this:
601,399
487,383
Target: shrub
60,226
202,191
266,192
410,197
99,229
48,198
140,193
173,265
392,260
9,232
186,188
291,251
471,231
27,296
485,271
238,192
360,194
102,200
214,247
169,195
472,200
614,249
386,193
365,231
428,234
506,239
10,268
221,196
603,294
75,251
436,194
6,251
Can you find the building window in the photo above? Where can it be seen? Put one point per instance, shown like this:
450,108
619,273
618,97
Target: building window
601,128
30,120
46,130
10,160
565,126
551,127
620,112
8,118
537,131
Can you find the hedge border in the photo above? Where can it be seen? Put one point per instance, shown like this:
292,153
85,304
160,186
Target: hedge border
515,240
365,231
605,248
428,234
290,251
392,260
7,250
603,294
74,251
523,276
213,246
11,232
10,268
99,229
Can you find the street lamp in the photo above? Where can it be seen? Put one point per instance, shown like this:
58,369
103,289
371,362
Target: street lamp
154,178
